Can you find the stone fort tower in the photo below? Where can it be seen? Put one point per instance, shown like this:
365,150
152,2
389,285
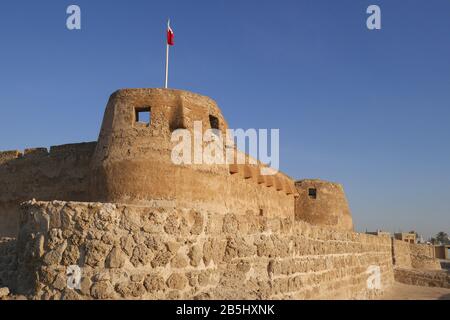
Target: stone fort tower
323,203
131,164
132,161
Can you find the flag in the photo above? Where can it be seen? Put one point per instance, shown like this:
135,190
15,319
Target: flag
170,42
170,35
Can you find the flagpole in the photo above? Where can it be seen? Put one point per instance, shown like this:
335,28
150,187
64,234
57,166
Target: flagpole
167,58
167,67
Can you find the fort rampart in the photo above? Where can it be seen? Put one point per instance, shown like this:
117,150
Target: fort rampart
61,173
417,256
135,252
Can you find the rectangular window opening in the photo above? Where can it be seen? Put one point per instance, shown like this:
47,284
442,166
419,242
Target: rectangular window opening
312,193
143,115
214,122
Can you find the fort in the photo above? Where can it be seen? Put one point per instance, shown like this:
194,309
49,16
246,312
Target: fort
142,227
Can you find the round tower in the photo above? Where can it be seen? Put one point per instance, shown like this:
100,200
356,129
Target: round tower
133,161
323,203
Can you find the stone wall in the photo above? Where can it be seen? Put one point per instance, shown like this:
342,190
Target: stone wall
416,256
133,252
401,254
425,278
60,174
423,257
8,262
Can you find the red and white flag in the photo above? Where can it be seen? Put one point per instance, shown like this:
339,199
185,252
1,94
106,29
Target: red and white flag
170,42
170,35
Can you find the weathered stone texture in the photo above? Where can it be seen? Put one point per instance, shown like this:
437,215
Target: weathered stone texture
416,256
323,203
425,278
61,173
135,252
423,257
401,254
8,262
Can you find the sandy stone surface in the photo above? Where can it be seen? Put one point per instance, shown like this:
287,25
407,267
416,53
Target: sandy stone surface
398,291
401,291
138,252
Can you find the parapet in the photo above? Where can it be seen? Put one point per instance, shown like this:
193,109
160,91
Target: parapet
35,153
42,152
73,148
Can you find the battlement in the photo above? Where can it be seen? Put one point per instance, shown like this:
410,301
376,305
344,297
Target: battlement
43,152
279,181
74,148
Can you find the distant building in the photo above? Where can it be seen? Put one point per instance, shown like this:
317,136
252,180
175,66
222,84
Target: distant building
379,233
442,252
409,237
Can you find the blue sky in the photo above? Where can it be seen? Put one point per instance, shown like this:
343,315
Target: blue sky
369,109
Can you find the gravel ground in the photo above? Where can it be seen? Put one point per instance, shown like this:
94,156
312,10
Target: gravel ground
400,291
